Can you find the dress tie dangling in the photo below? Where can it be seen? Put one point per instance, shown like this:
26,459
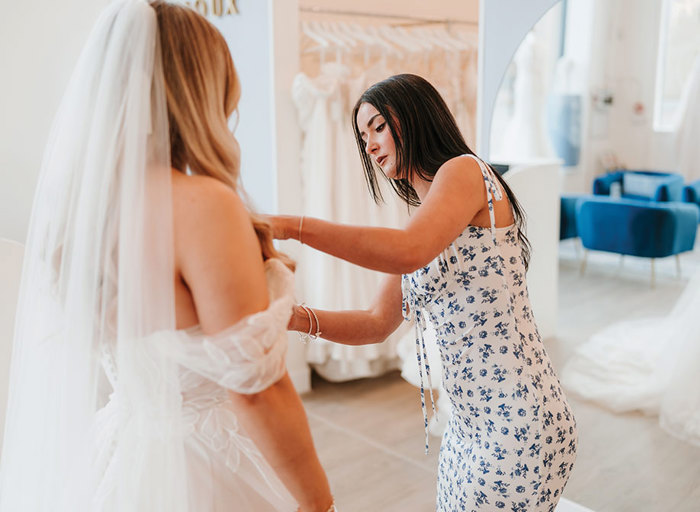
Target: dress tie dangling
413,310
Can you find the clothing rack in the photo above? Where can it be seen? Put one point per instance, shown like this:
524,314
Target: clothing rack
410,20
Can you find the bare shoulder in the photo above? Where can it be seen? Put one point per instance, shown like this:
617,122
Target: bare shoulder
208,214
202,204
458,176
463,168
217,252
198,195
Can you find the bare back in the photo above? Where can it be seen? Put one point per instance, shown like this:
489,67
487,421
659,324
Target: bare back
219,275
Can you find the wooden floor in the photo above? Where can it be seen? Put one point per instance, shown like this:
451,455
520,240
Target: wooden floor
369,433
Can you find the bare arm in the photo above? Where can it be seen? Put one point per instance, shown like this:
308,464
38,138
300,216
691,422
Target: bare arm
456,195
359,327
218,256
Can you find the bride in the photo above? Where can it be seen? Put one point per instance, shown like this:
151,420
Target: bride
148,371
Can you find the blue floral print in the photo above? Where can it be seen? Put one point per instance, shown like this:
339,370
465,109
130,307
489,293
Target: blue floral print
511,440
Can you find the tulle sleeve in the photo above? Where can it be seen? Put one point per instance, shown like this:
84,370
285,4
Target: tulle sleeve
248,356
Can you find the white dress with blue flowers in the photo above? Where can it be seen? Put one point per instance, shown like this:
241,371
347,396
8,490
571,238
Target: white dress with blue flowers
511,440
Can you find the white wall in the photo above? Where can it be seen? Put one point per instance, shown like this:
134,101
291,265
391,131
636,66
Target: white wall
624,43
250,41
579,47
39,45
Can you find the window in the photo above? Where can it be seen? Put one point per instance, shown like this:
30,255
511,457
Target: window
679,46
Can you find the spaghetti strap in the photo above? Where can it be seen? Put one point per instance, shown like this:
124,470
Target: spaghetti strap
492,190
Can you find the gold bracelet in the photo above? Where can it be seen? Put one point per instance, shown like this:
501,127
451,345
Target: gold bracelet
301,224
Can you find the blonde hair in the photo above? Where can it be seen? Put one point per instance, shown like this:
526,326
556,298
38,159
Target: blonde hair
202,91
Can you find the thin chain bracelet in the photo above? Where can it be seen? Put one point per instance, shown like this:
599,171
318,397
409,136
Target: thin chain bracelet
318,325
306,337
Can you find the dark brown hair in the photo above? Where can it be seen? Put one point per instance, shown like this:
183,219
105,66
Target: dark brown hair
426,136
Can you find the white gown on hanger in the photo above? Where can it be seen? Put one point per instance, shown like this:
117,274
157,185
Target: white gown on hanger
334,188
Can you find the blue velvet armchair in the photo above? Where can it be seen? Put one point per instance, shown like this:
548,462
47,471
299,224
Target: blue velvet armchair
634,227
567,216
691,193
642,185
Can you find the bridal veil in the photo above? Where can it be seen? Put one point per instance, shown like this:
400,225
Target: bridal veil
97,280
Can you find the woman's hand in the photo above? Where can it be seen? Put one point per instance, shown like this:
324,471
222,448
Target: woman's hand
297,320
284,227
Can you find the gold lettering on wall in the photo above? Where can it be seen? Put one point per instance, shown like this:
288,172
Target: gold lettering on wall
217,7
232,7
202,7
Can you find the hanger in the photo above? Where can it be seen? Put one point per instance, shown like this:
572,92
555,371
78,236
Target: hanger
425,34
338,32
393,34
423,44
322,44
309,31
389,49
443,34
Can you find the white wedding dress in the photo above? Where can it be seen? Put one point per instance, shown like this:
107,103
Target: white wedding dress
650,365
225,472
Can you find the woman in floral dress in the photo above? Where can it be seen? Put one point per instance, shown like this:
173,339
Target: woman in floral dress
459,264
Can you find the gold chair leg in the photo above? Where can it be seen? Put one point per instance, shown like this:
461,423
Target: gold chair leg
653,274
583,261
678,265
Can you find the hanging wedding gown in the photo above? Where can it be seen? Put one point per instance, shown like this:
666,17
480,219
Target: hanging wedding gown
651,365
525,138
334,188
111,409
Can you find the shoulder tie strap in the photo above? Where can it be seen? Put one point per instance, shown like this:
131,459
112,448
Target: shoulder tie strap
492,191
